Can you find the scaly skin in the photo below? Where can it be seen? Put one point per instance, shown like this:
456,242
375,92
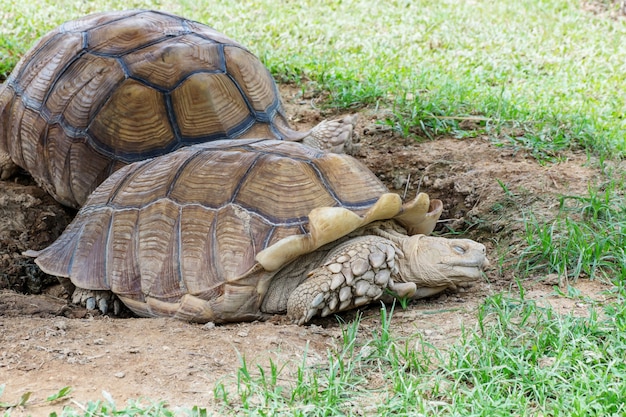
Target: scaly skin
7,167
333,135
354,274
361,269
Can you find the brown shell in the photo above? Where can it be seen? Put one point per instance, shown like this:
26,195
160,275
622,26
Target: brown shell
114,88
179,235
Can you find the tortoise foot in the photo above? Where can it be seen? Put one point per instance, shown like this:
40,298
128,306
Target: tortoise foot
334,135
104,301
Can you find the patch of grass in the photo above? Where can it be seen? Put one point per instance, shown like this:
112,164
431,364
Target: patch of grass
547,74
588,238
521,359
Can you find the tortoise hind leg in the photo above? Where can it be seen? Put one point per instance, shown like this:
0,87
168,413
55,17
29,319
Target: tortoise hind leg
102,300
354,274
7,167
330,135
333,135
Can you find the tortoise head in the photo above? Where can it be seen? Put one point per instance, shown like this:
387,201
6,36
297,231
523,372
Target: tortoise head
436,261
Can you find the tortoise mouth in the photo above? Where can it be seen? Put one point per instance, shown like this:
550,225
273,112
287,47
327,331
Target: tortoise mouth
469,263
465,270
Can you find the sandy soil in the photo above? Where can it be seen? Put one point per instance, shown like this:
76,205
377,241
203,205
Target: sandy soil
47,344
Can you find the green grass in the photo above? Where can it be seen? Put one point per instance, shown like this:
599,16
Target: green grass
588,237
545,75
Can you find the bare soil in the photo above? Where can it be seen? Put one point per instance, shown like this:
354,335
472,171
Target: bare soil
47,344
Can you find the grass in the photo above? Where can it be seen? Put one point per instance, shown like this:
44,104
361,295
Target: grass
543,75
587,238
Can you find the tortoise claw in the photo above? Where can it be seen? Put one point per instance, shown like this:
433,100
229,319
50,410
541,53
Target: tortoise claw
102,301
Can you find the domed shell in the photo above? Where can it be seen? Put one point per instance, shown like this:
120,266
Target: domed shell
114,88
189,225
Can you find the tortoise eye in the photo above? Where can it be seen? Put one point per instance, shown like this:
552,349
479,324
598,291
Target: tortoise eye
459,249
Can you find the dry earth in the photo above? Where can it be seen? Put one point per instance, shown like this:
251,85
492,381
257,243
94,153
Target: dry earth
47,344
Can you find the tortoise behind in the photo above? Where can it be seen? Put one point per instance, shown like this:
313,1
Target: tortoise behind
113,88
237,230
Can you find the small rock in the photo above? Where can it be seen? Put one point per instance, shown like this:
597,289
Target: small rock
209,326
119,375
60,325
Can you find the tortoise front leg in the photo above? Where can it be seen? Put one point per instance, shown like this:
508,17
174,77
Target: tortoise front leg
354,274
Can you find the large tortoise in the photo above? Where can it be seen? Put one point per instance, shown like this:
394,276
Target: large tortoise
113,88
238,230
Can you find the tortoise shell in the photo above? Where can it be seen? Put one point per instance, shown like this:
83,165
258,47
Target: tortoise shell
114,88
198,233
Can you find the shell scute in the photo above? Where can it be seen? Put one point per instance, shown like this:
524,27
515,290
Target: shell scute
124,35
210,180
43,66
158,65
128,138
210,106
81,90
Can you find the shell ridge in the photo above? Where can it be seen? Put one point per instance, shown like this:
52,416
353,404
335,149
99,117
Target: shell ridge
76,237
177,256
127,178
326,224
105,277
171,117
179,171
45,112
114,20
243,178
31,54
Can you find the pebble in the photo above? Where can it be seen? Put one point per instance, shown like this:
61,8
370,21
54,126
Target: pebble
119,374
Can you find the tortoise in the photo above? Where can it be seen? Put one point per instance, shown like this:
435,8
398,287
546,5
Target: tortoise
240,230
114,88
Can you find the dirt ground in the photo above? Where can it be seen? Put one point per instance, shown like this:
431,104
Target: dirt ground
47,344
